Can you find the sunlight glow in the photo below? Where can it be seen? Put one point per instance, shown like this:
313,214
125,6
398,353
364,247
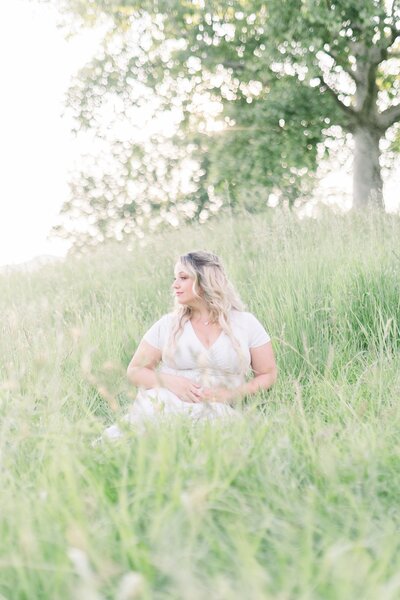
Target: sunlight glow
38,151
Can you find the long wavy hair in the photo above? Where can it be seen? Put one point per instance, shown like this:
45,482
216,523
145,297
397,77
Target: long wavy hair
210,283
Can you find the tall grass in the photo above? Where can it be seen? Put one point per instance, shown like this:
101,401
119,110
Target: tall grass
297,500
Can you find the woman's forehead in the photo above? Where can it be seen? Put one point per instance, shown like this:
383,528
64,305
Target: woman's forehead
180,268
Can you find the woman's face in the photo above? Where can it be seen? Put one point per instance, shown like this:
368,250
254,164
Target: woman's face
183,286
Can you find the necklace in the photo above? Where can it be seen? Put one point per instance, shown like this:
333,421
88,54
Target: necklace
204,322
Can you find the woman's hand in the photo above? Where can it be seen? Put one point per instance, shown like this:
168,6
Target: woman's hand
185,389
218,395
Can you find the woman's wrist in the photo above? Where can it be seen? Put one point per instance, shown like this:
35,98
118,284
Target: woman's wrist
261,382
168,381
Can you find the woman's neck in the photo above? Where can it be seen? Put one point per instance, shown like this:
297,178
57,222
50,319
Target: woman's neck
201,313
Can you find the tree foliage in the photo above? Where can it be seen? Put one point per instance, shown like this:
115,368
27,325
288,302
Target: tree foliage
253,90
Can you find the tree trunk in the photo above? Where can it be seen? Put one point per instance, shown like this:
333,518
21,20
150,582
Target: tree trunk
367,179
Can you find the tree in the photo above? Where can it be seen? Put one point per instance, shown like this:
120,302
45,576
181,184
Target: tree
281,76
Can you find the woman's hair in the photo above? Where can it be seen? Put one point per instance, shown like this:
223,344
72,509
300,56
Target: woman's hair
211,283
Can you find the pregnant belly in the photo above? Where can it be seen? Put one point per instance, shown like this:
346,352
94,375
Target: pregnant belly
208,378
155,403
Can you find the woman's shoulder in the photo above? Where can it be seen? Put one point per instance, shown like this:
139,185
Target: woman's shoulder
246,320
162,322
159,331
251,327
241,316
166,319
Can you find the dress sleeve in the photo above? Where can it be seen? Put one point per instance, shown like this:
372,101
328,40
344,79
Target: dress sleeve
157,334
257,336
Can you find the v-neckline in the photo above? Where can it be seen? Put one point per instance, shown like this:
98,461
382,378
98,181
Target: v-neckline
199,340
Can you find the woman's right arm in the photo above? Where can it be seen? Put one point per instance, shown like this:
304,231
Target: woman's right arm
142,372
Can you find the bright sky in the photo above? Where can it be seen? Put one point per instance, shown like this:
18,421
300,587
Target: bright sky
36,148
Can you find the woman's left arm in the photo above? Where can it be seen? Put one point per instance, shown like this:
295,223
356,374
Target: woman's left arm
264,368
265,373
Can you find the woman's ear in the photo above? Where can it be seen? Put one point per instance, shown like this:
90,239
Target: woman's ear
198,289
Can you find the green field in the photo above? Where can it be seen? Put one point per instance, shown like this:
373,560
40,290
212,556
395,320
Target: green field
299,500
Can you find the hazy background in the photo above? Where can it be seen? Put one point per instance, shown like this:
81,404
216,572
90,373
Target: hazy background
37,149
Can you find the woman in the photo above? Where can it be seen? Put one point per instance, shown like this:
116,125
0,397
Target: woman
195,359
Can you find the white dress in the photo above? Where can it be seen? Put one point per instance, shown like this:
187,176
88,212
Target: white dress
221,365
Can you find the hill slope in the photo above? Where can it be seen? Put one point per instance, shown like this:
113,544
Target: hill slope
299,500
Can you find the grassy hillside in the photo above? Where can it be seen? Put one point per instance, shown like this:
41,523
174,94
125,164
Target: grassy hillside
299,500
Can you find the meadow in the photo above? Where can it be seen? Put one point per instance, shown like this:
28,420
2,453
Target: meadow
298,500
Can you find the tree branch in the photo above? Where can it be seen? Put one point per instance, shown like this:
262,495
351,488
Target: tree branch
346,69
389,116
394,34
231,64
350,112
394,31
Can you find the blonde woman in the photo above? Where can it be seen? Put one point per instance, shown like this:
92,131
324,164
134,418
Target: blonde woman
195,359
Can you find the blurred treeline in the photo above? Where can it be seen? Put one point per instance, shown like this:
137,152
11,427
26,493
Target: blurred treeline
197,105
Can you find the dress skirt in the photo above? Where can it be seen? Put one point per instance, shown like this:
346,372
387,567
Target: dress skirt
158,404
